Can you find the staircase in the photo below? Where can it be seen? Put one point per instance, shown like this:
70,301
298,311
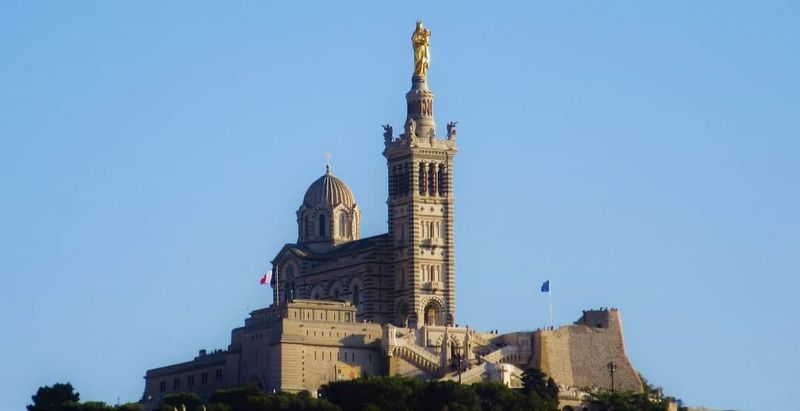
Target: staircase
472,375
497,356
488,371
417,355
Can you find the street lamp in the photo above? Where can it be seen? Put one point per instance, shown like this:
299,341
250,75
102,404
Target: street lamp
611,368
458,358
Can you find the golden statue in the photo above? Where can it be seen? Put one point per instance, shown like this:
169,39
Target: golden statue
422,53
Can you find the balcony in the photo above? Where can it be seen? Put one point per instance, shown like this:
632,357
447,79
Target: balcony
433,285
431,242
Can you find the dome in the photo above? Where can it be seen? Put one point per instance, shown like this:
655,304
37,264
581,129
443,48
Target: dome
329,191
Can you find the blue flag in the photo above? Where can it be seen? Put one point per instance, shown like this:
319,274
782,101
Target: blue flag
546,286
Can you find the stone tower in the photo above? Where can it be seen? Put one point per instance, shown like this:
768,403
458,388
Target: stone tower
420,204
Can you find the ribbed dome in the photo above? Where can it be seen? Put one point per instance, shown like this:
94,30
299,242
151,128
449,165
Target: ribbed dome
328,190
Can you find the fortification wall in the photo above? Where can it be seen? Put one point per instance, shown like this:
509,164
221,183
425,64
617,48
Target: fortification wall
578,355
552,354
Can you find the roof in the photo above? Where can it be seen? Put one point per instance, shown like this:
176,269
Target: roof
328,191
304,252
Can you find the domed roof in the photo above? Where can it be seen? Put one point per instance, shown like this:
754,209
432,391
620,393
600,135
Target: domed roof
328,191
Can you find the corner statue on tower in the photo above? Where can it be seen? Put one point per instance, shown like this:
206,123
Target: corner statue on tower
422,53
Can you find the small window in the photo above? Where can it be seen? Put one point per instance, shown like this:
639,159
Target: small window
204,378
322,225
218,374
190,381
162,386
176,383
342,225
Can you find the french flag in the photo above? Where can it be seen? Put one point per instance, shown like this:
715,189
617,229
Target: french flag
265,278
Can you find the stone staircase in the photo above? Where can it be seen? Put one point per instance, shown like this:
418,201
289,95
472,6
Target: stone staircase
470,376
498,355
417,355
481,339
486,371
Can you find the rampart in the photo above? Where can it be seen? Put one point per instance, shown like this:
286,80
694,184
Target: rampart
579,355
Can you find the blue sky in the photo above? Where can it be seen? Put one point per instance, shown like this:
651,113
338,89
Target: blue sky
641,156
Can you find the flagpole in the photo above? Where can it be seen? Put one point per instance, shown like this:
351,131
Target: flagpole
550,302
277,287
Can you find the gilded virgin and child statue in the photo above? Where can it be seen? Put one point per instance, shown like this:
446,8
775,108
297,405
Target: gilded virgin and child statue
422,53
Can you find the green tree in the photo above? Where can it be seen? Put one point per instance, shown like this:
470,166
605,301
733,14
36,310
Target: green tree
59,397
436,396
627,401
401,394
495,396
385,393
95,406
175,401
130,406
540,389
251,398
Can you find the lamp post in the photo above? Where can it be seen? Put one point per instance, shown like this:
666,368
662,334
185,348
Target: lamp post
458,360
611,368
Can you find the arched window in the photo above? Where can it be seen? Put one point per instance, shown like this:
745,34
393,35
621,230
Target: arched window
342,225
432,179
307,227
289,292
406,179
322,225
422,183
356,296
431,314
393,181
442,180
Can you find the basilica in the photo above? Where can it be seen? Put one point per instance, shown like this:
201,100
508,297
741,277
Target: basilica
346,306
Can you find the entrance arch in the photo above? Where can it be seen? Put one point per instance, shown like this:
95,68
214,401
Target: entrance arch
433,312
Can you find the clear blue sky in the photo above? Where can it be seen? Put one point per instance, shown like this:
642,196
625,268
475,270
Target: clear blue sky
641,156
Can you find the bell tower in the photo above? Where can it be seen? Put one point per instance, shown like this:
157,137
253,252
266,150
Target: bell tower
421,204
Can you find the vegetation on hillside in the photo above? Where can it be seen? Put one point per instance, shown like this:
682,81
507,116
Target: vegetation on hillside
63,397
369,394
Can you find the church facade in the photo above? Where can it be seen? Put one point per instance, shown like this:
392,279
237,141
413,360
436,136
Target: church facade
405,276
346,306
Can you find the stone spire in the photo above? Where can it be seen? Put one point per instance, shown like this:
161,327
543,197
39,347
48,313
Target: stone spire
444,354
